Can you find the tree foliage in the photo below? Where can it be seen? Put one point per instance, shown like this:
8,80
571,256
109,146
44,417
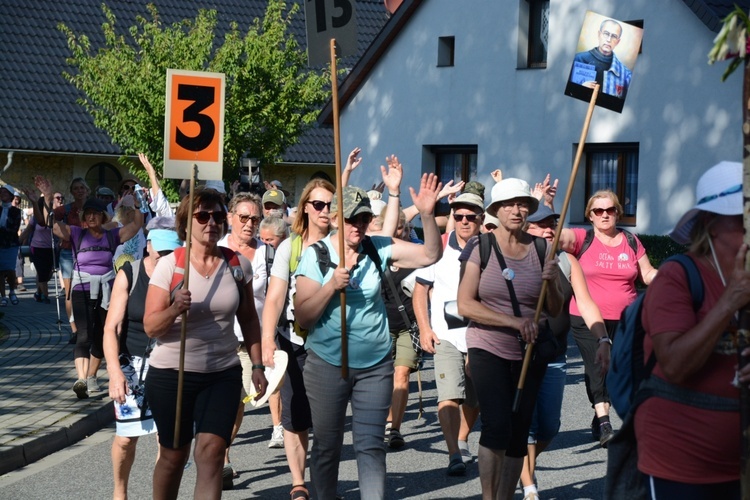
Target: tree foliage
271,95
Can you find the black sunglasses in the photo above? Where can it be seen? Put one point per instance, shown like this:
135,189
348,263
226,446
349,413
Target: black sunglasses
203,216
246,217
468,217
360,220
320,205
599,211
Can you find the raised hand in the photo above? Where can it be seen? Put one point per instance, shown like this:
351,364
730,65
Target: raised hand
353,160
427,196
392,177
450,189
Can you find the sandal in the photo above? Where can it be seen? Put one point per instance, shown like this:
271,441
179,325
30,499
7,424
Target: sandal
299,492
13,299
3,302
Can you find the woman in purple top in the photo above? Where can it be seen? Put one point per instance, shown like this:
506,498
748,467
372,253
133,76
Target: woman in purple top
91,284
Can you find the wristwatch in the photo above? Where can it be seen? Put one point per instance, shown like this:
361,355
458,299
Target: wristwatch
605,339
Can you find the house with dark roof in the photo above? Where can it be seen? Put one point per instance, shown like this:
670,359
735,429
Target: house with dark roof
44,130
463,88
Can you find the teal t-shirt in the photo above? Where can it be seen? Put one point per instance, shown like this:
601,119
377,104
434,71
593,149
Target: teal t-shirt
366,318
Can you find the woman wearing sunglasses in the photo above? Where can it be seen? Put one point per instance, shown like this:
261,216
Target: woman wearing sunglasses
245,211
612,263
369,384
219,289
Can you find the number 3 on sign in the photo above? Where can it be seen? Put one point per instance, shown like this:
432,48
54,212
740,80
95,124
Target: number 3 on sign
194,123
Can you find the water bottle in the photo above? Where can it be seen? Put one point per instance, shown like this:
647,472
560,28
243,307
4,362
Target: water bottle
142,197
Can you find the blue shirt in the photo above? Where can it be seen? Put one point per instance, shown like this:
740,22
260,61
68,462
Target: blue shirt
366,319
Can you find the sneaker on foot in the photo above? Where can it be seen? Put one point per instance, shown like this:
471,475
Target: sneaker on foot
37,297
277,437
463,448
92,385
227,478
606,434
395,440
81,389
456,466
387,434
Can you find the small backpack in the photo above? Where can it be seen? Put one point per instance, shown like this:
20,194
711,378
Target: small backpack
632,243
627,368
231,258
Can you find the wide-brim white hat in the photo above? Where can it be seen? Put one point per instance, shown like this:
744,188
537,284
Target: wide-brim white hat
719,191
274,376
508,189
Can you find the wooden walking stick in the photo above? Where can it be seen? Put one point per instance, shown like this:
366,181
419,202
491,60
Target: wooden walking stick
340,203
183,331
555,243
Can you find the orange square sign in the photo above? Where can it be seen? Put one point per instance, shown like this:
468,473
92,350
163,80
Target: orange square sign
194,124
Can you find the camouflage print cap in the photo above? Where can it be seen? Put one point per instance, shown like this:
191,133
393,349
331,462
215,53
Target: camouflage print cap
356,202
474,187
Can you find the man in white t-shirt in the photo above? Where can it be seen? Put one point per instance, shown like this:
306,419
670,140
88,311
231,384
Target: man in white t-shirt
443,333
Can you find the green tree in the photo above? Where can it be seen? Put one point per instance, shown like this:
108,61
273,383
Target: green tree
271,95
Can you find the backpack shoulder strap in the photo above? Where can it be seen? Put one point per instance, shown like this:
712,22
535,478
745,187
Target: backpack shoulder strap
485,248
541,249
296,253
323,255
586,242
111,241
369,249
632,243
179,271
270,255
233,262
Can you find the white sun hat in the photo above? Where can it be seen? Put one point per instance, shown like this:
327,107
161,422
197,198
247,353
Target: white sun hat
274,376
508,189
719,191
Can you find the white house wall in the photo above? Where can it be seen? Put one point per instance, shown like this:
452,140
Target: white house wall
678,110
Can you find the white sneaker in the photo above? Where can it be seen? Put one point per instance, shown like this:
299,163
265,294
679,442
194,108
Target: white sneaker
277,437
466,455
92,385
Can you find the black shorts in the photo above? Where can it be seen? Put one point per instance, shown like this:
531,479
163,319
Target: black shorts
209,403
295,407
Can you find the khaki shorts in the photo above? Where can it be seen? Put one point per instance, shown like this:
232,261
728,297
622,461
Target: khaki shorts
450,375
403,352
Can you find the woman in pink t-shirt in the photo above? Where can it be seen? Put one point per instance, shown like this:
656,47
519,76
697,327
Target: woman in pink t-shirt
612,263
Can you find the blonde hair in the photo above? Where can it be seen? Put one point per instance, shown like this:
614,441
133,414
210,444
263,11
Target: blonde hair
604,193
301,221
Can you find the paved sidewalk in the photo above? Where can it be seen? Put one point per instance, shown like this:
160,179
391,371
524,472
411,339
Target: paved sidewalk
39,413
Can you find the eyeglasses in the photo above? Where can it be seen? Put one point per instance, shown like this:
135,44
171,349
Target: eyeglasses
508,205
360,220
203,216
726,192
246,217
600,211
320,205
61,198
89,213
611,36
549,223
126,187
469,217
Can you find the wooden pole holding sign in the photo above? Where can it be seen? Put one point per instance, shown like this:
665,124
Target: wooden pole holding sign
555,243
743,332
183,330
340,203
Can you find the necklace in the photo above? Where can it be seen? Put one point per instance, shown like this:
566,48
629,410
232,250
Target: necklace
207,273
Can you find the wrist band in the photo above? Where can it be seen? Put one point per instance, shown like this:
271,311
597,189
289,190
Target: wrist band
605,339
259,367
394,195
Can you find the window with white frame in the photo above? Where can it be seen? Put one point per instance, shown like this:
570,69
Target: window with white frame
614,166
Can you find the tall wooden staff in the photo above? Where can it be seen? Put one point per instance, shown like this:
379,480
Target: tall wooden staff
340,203
743,333
555,242
183,331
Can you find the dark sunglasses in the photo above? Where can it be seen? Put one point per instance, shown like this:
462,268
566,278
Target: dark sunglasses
468,217
320,205
203,216
127,187
360,220
245,217
599,211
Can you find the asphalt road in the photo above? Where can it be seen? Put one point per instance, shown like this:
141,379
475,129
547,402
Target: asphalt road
572,468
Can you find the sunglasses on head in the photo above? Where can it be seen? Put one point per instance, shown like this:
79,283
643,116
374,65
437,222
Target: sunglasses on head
320,205
468,217
203,216
360,220
600,211
246,217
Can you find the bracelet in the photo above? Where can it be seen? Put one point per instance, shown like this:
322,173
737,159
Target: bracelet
259,367
605,339
394,195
